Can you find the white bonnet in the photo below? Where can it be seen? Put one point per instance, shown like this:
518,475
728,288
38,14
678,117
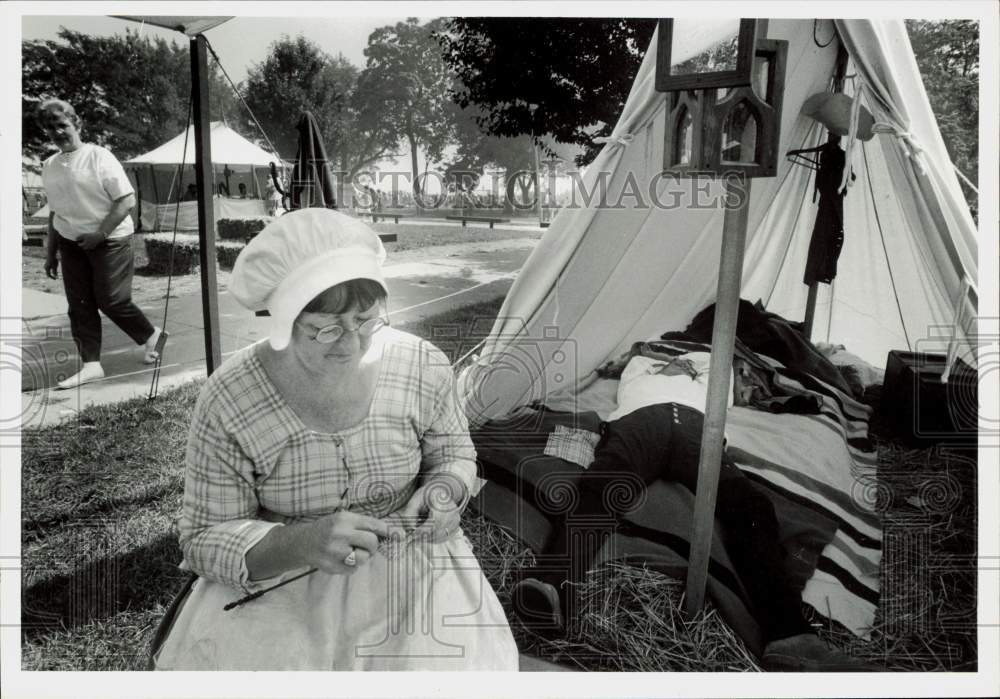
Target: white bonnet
297,257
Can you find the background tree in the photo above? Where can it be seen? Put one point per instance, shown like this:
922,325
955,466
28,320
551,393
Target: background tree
577,71
407,82
131,93
475,151
947,53
296,76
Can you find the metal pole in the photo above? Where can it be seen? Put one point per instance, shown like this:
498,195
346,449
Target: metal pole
206,211
538,181
734,233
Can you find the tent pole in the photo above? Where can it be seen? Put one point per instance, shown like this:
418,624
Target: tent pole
840,70
137,211
734,234
156,190
156,199
807,324
206,211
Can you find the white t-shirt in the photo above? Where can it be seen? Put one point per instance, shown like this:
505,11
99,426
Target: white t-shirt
82,186
643,384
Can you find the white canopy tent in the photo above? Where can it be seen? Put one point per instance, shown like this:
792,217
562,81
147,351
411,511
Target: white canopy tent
160,183
643,259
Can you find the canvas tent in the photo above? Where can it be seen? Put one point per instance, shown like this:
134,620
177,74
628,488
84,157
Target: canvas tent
631,268
641,258
236,161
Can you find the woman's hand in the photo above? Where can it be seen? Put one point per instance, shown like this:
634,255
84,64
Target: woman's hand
326,542
437,505
52,265
89,241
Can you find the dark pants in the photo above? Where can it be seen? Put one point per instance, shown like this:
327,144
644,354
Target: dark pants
100,279
664,442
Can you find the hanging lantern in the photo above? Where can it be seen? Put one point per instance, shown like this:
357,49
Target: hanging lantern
723,105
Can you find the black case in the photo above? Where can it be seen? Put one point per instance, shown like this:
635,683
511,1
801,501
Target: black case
925,411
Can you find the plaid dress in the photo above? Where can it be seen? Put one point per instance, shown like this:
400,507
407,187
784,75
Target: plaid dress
253,465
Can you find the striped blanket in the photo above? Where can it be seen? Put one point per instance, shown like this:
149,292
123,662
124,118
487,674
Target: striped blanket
818,461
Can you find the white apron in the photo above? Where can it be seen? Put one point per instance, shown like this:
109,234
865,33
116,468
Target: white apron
428,607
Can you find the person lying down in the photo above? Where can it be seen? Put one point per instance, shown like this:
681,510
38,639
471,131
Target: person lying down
655,433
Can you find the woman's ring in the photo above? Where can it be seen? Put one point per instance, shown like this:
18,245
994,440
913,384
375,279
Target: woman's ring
351,559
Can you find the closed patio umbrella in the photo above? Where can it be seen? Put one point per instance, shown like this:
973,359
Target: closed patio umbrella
312,179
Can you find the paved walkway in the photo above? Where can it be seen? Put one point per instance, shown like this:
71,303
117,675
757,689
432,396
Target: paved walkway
422,283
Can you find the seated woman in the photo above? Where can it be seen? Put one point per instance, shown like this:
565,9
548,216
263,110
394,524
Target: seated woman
336,446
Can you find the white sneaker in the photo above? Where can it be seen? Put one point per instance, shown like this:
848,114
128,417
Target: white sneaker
91,371
154,345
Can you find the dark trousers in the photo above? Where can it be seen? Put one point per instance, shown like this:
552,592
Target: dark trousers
664,442
100,280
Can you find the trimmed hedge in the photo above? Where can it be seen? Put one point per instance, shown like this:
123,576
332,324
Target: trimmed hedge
226,253
242,229
158,246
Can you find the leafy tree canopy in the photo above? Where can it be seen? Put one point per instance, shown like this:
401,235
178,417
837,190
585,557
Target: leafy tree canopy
947,53
566,77
131,93
297,76
407,82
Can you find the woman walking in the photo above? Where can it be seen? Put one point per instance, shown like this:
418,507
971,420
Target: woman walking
90,199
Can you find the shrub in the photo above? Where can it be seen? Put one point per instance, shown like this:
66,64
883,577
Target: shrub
242,229
158,247
226,252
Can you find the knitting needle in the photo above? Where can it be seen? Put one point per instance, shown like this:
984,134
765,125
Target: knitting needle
254,595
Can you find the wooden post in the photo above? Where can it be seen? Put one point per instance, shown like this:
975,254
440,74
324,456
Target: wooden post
206,208
734,233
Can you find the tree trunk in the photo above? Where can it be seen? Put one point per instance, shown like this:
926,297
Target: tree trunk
414,168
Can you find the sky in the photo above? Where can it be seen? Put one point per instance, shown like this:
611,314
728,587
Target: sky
245,40
240,42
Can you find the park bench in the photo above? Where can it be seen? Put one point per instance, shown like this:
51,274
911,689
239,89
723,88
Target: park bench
478,219
376,215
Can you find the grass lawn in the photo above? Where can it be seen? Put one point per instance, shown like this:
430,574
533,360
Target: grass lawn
99,543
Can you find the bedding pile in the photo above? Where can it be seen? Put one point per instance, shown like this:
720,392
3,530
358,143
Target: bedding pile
813,458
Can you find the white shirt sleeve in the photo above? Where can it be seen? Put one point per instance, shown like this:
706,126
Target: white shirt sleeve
112,175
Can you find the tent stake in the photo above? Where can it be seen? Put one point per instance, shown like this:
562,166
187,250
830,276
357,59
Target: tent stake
206,206
734,233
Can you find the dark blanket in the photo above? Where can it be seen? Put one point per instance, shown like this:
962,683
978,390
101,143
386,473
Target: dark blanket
771,335
528,492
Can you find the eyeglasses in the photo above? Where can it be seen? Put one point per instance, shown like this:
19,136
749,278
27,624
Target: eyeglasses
332,333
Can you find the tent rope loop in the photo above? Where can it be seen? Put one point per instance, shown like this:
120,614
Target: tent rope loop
913,150
622,140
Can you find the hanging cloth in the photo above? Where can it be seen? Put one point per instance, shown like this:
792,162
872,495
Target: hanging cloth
828,231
